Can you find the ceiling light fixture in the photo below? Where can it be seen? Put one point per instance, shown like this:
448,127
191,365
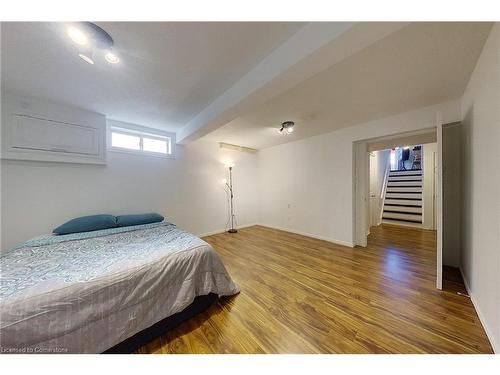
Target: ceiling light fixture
87,54
86,58
287,127
111,58
92,39
77,36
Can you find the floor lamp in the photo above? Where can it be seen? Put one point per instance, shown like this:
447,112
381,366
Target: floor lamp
230,186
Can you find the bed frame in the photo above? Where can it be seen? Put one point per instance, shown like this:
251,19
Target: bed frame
130,345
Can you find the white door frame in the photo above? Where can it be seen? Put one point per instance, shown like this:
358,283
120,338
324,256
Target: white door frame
439,203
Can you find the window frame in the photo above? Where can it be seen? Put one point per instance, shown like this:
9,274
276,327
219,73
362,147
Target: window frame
142,132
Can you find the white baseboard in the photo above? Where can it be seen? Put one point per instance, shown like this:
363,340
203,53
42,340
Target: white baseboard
337,242
489,332
219,231
428,227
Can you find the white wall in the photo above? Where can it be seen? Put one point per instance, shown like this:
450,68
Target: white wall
187,190
481,186
307,186
379,163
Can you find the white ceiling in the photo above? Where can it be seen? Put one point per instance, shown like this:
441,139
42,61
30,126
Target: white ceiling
418,65
244,79
168,72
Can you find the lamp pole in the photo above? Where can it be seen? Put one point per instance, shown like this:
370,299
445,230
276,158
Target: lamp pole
232,230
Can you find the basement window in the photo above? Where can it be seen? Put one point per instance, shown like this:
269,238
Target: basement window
139,140
125,141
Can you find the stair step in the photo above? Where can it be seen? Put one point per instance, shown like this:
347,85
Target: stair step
404,183
404,189
403,202
414,218
409,175
402,223
387,214
403,209
405,178
411,196
415,172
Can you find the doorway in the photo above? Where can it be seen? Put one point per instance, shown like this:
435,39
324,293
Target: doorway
420,182
442,171
402,188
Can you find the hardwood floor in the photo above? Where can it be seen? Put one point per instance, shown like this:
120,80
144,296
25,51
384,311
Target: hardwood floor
302,295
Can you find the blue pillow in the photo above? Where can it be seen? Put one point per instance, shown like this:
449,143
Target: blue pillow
127,220
87,224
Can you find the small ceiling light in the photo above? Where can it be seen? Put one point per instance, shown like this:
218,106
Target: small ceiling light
287,127
77,36
112,58
86,58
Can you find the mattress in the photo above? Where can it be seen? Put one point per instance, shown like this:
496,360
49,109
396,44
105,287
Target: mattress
86,292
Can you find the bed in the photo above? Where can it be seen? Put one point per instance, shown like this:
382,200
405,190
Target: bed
89,292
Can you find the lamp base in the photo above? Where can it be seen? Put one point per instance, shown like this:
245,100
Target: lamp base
232,231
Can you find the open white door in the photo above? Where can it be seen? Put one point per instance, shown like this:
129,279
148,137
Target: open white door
439,204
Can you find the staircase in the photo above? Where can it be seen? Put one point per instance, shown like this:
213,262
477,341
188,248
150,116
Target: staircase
403,198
